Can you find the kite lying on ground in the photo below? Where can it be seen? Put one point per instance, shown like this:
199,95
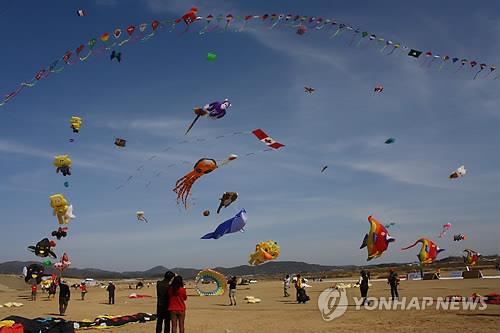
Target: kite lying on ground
266,139
459,237
183,185
213,279
446,227
43,248
33,272
63,164
75,123
428,252
60,232
234,224
214,110
376,240
460,172
63,264
140,216
264,251
62,209
227,199
471,257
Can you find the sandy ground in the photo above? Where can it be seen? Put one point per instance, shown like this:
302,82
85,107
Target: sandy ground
275,313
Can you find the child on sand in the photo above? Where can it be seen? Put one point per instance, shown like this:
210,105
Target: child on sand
83,290
33,292
177,305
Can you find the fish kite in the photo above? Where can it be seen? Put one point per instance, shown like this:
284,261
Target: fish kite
266,139
264,251
63,164
324,168
60,233
376,240
460,172
43,248
309,90
378,88
446,227
428,252
227,199
140,216
183,185
62,209
471,257
63,264
390,141
75,124
459,237
214,110
234,224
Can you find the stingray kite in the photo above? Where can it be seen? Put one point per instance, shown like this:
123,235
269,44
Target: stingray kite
140,216
446,227
266,139
227,199
234,224
376,240
214,110
460,172
264,251
183,185
63,264
471,257
428,252
44,248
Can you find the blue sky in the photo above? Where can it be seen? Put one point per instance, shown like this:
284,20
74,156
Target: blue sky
441,120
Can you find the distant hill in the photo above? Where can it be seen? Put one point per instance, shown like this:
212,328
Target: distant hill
272,268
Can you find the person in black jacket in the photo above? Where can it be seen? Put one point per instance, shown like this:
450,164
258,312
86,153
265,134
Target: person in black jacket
393,281
162,313
111,292
64,296
363,285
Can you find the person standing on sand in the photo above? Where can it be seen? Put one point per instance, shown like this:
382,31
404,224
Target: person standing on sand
232,290
363,285
64,296
393,281
83,290
177,303
33,291
286,285
162,302
111,293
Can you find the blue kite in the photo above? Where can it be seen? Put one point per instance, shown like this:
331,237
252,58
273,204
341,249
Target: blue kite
234,224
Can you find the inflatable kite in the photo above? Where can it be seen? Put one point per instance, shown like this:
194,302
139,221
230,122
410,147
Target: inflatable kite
33,272
324,168
390,141
234,224
264,251
206,213
189,17
60,232
266,139
116,55
376,240
62,209
44,248
460,172
140,216
230,158
66,184
210,283
309,90
76,123
214,110
63,264
63,164
47,263
183,185
428,252
378,88
388,225
471,257
446,227
459,237
227,199
119,142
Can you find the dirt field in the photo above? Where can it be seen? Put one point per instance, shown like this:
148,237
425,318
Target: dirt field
275,313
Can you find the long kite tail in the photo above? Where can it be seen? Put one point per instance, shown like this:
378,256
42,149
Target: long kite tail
416,242
192,124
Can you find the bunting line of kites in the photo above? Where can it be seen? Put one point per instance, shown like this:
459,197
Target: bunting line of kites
107,42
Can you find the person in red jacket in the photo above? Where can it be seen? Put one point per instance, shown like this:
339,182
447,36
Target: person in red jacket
83,289
177,305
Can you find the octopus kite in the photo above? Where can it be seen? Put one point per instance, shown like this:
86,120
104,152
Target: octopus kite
214,110
428,252
183,185
471,257
264,251
44,248
63,264
62,209
376,240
